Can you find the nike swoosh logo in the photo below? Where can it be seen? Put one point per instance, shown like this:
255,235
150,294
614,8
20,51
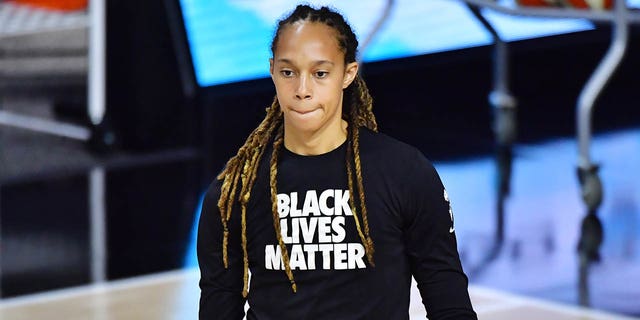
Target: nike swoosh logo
452,229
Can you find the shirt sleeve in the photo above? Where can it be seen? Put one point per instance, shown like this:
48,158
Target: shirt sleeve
432,248
221,289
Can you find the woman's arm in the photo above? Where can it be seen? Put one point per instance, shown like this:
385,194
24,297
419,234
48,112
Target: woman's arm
221,289
432,248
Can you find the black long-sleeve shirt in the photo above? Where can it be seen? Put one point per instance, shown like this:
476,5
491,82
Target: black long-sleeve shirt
410,221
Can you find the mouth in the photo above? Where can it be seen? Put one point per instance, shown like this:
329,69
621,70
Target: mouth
305,111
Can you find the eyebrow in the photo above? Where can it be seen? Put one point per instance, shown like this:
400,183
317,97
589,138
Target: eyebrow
315,63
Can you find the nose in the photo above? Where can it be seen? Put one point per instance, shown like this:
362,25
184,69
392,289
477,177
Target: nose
303,90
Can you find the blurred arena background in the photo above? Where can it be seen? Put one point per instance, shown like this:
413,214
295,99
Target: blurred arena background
116,115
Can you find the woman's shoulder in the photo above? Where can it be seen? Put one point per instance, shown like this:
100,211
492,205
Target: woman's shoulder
384,154
378,144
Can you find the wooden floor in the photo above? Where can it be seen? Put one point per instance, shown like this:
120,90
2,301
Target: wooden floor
174,295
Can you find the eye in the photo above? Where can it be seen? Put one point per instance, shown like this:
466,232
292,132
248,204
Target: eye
287,73
321,74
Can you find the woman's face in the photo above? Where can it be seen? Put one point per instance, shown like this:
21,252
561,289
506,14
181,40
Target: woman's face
309,74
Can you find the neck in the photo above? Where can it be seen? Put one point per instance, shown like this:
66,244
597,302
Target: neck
315,143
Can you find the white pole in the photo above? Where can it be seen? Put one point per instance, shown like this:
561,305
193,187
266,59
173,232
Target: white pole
97,61
597,82
96,110
98,223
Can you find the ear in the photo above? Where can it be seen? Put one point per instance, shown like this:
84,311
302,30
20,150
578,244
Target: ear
350,73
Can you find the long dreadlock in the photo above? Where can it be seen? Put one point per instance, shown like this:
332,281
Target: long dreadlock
241,170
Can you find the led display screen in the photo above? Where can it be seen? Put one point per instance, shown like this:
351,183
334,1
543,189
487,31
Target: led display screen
229,40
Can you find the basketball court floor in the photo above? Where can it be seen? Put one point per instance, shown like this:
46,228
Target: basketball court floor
174,295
